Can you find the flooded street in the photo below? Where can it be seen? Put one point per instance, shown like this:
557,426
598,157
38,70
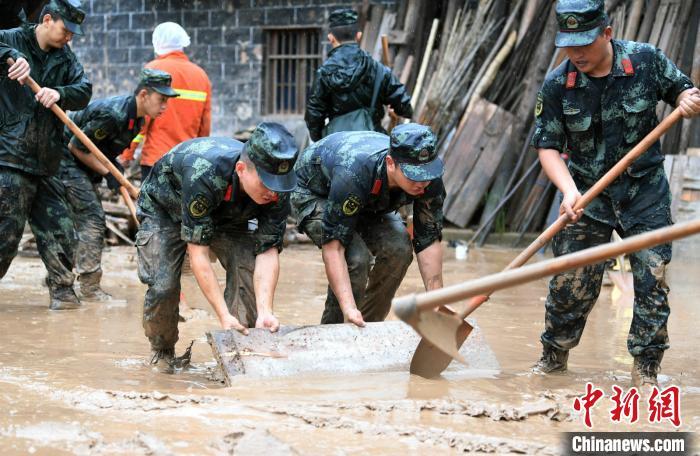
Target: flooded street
75,382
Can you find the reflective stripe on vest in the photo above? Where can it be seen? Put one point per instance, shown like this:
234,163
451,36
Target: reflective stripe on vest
192,95
137,139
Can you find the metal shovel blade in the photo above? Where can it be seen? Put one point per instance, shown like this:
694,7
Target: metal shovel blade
442,337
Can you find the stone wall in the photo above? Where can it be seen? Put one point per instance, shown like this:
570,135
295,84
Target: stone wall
227,41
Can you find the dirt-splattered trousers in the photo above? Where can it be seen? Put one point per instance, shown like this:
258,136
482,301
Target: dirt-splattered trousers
41,201
643,206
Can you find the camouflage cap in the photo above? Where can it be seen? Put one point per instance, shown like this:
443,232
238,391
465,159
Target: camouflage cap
158,80
273,151
341,17
71,12
580,22
413,147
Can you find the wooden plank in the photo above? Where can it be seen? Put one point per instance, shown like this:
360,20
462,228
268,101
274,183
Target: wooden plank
494,143
333,350
680,162
460,158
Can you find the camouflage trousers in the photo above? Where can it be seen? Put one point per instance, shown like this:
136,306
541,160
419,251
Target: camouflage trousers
41,201
382,238
161,252
572,294
88,216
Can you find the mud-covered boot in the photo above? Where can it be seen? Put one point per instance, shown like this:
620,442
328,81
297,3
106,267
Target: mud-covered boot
63,298
552,360
645,368
163,360
90,289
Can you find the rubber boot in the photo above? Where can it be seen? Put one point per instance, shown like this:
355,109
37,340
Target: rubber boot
163,360
63,298
552,360
646,368
90,289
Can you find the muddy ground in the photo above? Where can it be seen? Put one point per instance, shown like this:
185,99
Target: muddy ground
75,382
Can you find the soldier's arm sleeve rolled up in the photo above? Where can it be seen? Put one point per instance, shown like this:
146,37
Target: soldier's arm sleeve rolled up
347,196
671,81
395,94
428,216
549,118
316,109
200,197
76,90
272,222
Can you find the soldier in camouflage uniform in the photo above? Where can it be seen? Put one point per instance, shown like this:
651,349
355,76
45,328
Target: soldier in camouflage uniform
595,107
345,81
201,196
350,185
111,124
30,136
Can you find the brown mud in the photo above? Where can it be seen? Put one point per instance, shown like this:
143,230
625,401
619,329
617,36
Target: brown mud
75,382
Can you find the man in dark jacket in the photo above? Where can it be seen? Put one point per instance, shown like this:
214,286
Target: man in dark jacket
111,123
31,140
345,81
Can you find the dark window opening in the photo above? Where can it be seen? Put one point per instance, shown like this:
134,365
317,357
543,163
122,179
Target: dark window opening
291,59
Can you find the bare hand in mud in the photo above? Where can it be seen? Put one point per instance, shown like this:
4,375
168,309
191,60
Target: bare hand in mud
231,322
354,316
567,206
268,321
19,71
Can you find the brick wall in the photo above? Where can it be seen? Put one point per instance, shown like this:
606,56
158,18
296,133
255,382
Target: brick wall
227,40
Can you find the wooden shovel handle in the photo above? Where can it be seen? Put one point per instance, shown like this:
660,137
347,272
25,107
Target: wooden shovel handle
614,172
133,191
407,306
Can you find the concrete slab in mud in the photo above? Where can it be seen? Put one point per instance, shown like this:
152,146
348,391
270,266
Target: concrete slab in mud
332,350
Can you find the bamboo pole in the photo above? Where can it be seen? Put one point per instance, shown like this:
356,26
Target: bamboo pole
424,63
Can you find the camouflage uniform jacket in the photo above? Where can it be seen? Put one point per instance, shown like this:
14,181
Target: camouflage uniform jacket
349,170
345,83
597,129
110,123
31,135
195,185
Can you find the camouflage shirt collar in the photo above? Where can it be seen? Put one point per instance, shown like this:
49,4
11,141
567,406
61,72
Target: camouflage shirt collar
618,69
131,107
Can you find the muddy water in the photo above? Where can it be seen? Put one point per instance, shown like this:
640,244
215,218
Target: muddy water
75,382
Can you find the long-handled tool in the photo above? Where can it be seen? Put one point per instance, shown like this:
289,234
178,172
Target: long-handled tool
414,307
387,61
133,191
444,332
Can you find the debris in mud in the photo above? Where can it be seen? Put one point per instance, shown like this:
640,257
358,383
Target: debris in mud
253,441
460,441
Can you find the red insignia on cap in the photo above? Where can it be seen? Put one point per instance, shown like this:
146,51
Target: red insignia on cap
377,187
229,193
571,80
627,66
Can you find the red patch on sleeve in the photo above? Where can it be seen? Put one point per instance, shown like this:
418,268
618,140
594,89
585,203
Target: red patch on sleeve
377,187
571,80
627,66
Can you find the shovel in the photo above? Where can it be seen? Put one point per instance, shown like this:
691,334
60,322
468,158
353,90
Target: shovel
444,332
417,310
132,191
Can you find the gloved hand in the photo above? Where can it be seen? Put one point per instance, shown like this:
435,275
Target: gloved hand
112,182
